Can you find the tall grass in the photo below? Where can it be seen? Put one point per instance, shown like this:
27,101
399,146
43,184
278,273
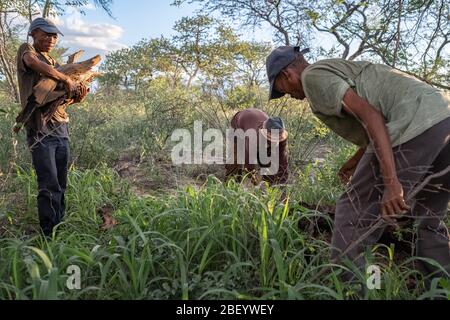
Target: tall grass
216,242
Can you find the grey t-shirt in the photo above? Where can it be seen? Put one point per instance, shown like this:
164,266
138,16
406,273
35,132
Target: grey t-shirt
409,106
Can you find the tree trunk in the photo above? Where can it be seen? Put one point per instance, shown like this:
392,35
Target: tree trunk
7,63
47,8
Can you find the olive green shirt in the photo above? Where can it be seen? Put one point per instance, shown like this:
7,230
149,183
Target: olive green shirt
409,106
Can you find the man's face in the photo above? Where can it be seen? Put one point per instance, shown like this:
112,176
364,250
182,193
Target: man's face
289,82
43,41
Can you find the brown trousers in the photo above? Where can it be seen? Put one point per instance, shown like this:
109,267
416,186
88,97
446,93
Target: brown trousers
358,209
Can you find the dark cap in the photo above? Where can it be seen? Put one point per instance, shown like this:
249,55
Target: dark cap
275,123
279,59
272,125
45,25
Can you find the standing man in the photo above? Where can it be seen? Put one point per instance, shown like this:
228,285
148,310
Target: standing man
256,121
47,128
402,127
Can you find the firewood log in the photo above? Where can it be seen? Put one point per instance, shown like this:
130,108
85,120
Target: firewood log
73,58
80,72
53,94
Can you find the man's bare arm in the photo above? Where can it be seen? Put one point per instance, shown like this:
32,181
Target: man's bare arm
47,70
373,121
348,169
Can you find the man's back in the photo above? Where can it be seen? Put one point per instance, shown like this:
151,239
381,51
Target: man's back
249,119
409,106
254,119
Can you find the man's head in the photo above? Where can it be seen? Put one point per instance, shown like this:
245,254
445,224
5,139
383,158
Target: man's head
284,67
273,130
44,33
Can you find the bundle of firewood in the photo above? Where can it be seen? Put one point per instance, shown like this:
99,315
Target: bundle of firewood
51,95
47,89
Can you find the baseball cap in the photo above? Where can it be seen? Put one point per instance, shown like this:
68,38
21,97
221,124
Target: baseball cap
279,59
45,25
271,125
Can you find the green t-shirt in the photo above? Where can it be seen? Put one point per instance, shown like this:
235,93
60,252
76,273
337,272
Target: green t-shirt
409,106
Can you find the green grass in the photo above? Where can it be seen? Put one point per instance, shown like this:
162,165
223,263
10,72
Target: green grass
216,242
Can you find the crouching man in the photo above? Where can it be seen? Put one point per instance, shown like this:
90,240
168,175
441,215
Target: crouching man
402,126
258,142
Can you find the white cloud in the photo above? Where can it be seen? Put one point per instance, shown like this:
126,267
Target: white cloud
94,38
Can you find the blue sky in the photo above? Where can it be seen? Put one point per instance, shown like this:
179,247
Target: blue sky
133,20
98,33
141,18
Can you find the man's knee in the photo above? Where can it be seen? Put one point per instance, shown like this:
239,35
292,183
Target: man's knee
49,188
47,177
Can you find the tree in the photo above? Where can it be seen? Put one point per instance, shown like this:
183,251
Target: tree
202,48
251,62
9,35
282,15
412,35
58,7
12,13
131,68
204,45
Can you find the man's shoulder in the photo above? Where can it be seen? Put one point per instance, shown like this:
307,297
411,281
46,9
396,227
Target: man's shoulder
324,64
338,66
253,112
337,62
329,60
26,47
23,49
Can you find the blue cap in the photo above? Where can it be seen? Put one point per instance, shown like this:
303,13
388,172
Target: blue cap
45,25
275,123
279,59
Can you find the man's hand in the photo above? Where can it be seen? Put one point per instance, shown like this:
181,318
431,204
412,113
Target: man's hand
71,87
393,203
347,171
82,92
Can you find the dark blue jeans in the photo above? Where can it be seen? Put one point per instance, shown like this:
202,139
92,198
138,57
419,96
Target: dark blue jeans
50,158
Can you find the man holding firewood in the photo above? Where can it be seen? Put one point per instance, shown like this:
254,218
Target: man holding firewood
47,124
402,127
